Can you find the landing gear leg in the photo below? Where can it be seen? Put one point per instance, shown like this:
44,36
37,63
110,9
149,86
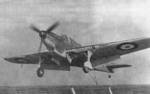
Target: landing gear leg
87,65
69,58
40,72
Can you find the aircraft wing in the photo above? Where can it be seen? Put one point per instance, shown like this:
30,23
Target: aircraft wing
102,54
121,48
50,60
28,59
113,49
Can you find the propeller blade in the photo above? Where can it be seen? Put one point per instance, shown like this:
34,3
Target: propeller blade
42,35
39,50
40,61
40,47
35,28
52,27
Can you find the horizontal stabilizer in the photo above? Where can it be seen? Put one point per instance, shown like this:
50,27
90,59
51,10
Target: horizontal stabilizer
119,66
110,68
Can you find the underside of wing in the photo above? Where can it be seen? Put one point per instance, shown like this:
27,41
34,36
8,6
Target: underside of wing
28,59
114,48
50,60
120,48
104,53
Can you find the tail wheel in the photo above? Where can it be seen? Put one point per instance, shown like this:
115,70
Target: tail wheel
40,72
86,69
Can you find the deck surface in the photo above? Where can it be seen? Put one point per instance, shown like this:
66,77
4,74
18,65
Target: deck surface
75,89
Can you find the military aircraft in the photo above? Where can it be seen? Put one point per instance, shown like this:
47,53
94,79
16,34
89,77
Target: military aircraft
64,52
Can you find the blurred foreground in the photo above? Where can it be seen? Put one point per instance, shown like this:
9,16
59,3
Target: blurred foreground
120,89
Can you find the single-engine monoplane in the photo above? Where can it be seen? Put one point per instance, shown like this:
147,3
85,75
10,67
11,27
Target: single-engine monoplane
64,52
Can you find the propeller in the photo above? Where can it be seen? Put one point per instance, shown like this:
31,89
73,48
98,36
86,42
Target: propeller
43,34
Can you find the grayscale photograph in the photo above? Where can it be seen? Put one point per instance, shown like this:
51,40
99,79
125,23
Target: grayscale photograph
74,47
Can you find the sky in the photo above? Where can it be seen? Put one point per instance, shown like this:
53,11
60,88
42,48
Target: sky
88,22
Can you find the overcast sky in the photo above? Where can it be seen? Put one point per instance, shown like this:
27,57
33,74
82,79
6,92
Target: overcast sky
88,22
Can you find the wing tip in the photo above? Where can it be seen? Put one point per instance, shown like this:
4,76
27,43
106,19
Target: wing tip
7,59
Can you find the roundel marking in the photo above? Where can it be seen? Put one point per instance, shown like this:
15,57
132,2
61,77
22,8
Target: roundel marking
127,46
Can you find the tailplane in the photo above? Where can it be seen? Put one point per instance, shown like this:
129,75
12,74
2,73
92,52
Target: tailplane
110,68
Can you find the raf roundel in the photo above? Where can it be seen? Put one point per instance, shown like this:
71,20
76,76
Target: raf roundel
127,46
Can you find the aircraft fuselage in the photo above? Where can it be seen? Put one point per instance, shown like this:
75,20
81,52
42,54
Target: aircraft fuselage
60,43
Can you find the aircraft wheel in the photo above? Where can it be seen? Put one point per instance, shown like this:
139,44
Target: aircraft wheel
40,72
86,69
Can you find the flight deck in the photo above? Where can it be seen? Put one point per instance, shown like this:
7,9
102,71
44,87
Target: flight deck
118,89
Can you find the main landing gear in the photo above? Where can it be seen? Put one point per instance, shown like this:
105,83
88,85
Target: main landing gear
40,72
87,67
